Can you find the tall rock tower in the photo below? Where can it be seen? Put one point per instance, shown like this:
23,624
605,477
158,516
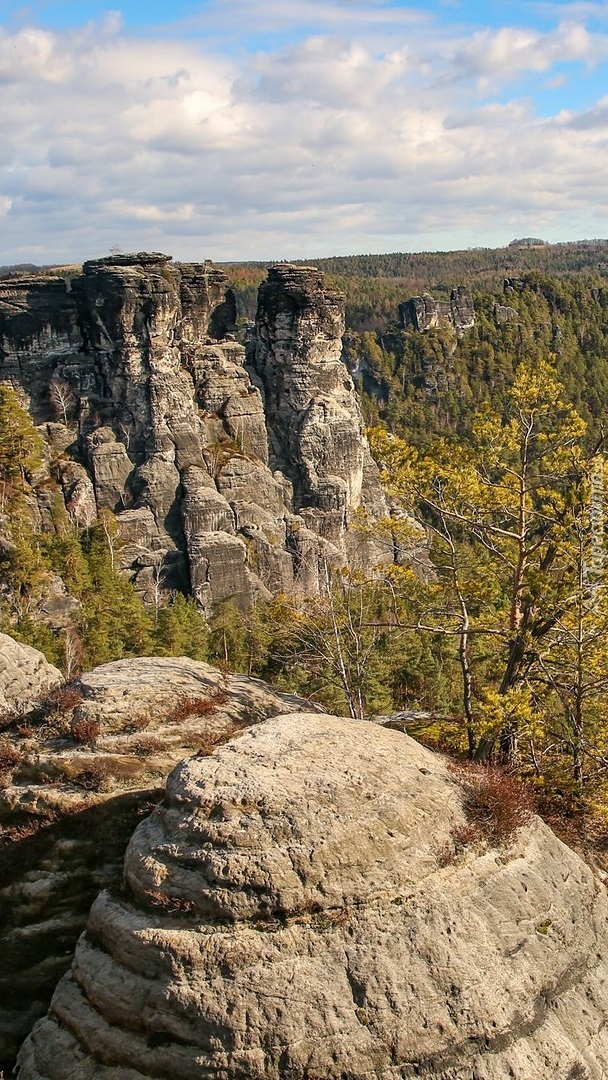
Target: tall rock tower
231,473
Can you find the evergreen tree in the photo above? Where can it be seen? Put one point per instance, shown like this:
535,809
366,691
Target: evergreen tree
505,499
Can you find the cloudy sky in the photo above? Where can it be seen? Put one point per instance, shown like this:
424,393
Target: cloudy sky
262,129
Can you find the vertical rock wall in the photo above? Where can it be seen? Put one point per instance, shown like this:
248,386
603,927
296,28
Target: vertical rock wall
230,473
312,412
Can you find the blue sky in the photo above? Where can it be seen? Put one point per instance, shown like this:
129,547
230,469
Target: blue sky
265,129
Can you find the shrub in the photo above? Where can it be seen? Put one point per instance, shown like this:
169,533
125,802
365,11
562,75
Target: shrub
85,729
9,757
496,803
93,777
197,706
63,698
8,718
139,722
144,746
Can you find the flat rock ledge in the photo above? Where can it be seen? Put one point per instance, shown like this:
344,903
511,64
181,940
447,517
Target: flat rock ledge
287,912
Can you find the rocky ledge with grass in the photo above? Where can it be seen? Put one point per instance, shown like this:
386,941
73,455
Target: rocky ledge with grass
325,898
76,774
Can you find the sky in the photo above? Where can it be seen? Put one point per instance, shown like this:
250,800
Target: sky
273,129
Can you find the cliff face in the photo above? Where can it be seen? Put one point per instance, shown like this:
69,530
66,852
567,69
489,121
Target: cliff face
289,911
230,473
425,313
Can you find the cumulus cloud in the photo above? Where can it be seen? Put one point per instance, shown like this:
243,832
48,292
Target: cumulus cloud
494,55
377,131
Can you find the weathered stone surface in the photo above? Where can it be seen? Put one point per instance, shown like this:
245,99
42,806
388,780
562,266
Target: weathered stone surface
164,402
503,313
218,569
74,804
78,493
25,676
38,319
204,508
424,312
110,468
287,913
312,414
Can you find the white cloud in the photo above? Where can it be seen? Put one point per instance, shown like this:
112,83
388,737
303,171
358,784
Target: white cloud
498,54
371,133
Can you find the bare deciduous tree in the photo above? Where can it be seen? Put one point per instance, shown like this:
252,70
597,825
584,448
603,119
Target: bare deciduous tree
62,399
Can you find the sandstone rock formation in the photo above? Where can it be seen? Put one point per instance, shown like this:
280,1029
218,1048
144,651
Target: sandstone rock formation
230,473
76,774
504,314
424,312
25,676
289,911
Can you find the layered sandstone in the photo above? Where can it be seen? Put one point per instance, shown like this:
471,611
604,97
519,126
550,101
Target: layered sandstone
230,472
292,910
25,676
426,313
75,776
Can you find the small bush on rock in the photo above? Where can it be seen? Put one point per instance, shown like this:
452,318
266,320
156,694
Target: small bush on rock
197,706
9,758
63,699
85,729
496,804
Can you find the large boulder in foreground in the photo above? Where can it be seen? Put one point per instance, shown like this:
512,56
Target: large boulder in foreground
25,676
76,775
289,911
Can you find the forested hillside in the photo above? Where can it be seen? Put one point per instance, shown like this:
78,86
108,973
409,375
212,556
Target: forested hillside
424,383
492,437
375,284
420,384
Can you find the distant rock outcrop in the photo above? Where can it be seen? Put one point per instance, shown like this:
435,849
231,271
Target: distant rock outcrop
75,776
295,909
231,473
504,314
425,313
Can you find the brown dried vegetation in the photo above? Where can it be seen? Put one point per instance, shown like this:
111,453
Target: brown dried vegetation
197,706
496,804
85,729
10,757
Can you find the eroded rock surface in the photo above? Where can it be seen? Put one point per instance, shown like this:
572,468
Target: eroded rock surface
287,912
25,676
312,413
76,775
150,406
425,313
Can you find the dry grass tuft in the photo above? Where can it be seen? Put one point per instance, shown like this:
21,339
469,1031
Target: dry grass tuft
85,729
197,706
496,805
10,757
62,699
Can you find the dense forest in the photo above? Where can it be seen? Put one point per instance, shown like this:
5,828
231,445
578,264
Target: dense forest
545,301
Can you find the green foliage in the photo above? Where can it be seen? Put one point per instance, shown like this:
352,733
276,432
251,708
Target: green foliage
112,621
428,384
512,527
20,443
181,630
31,632
229,636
